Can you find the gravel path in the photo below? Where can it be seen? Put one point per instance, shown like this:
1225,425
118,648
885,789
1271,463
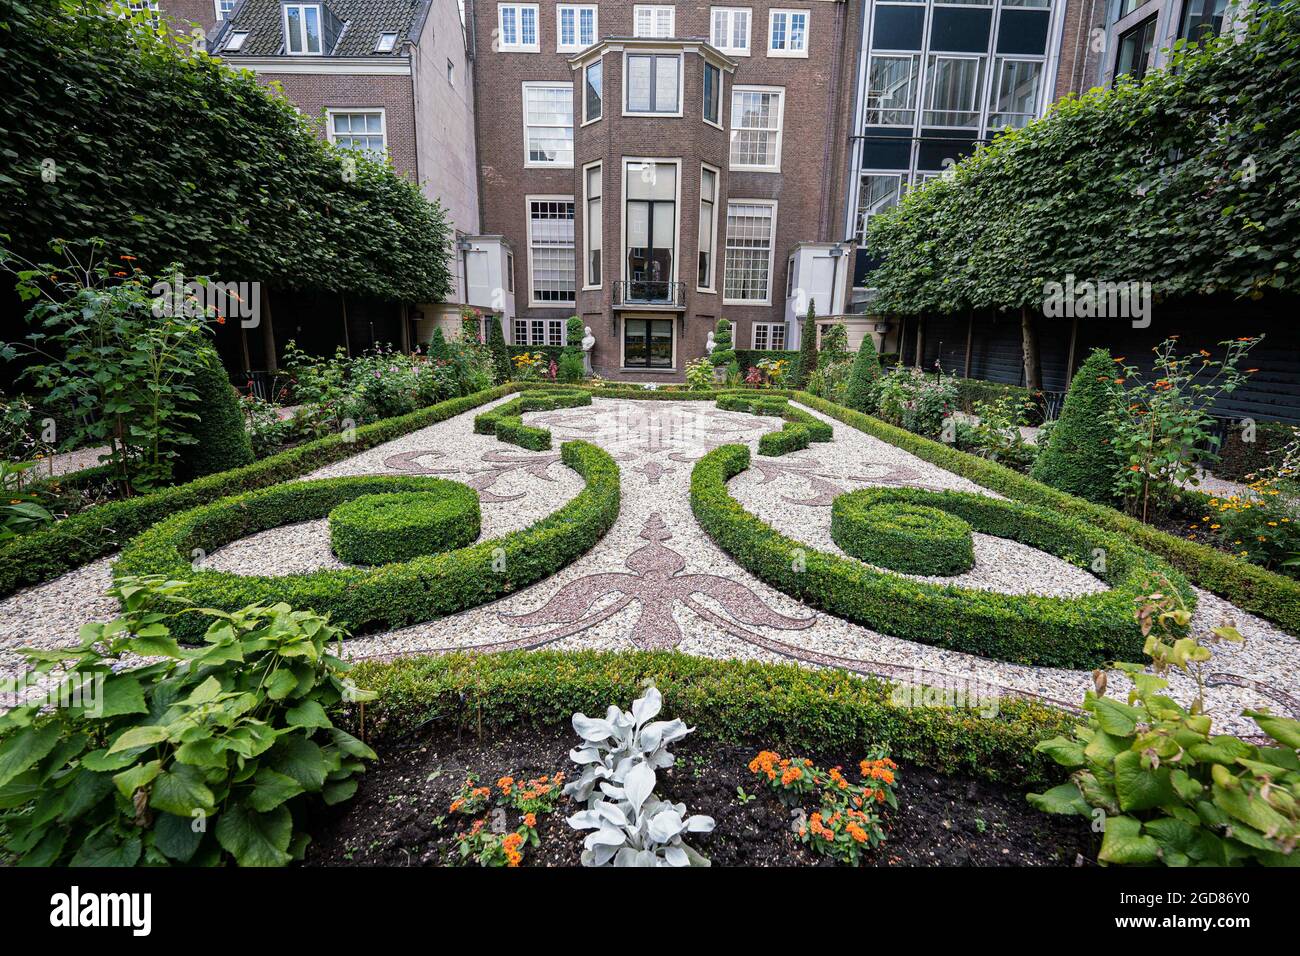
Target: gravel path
657,581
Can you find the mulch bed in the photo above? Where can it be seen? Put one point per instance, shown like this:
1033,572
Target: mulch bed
399,815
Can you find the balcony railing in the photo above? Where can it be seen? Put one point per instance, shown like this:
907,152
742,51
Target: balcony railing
646,292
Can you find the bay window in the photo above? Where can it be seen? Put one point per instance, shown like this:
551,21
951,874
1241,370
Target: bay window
593,96
593,224
653,83
708,227
712,95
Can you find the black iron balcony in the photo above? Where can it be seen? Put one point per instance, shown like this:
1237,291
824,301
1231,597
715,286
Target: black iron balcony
650,293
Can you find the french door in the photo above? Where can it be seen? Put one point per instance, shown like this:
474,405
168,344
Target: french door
647,343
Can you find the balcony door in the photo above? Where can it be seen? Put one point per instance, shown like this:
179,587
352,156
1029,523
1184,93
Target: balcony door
647,343
651,218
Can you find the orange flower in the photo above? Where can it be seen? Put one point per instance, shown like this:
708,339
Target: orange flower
505,783
530,819
857,832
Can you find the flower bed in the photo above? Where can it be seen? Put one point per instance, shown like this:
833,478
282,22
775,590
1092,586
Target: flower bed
390,596
1023,629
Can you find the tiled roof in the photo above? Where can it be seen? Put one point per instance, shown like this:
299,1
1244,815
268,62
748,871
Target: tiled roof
364,21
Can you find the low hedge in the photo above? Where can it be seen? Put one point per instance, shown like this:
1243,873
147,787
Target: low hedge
390,596
873,526
399,526
776,405
103,529
505,422
789,438
775,706
1081,632
1272,596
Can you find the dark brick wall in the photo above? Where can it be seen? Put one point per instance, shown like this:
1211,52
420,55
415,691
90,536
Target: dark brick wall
1081,50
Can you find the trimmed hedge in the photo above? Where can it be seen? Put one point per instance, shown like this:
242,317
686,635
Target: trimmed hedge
1270,595
105,528
1079,457
390,596
220,440
504,421
1079,632
770,705
873,526
1238,458
776,405
789,438
399,526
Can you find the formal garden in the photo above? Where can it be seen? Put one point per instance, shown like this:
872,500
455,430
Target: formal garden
469,606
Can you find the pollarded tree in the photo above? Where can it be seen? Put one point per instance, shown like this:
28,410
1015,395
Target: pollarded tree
1080,457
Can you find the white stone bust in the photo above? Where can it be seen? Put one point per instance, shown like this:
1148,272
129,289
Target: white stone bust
588,340
710,345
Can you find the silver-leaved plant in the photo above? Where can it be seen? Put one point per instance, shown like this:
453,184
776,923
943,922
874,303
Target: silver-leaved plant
619,756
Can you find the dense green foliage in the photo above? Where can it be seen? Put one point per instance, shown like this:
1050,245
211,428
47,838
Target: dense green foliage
791,437
872,526
220,440
823,711
1239,458
399,526
1080,458
1187,180
1023,629
863,390
113,130
202,756
775,405
390,596
504,421
500,351
724,352
807,349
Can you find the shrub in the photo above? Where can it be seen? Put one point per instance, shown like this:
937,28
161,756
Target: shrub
997,435
723,353
572,368
916,401
776,407
504,421
1080,458
501,367
912,539
790,438
699,375
1240,459
1261,526
399,526
390,596
835,345
807,348
864,384
236,730
1024,629
220,440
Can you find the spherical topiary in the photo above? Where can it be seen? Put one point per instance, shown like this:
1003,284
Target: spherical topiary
221,441
1080,458
908,538
864,381
399,526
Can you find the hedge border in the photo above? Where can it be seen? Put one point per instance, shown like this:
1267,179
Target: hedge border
1082,632
442,517
872,526
790,438
1249,587
505,422
781,705
389,596
100,530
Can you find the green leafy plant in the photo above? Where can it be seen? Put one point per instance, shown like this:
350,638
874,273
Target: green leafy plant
996,434
916,401
699,375
204,755
835,345
22,510
863,392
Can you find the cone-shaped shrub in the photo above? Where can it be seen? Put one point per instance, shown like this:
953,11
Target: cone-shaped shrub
1079,457
807,347
864,381
221,440
500,354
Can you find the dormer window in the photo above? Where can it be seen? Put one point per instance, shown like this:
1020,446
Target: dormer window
387,41
302,29
235,42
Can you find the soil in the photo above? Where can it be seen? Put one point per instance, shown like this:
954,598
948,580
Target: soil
399,816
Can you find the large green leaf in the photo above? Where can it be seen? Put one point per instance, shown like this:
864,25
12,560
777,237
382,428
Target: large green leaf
176,837
122,695
270,789
1123,842
1139,788
1067,753
307,714
140,775
1282,729
137,737
25,747
1063,799
180,791
256,839
300,758
105,848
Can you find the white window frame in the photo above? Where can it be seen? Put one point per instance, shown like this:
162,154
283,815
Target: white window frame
528,226
722,93
780,127
654,11
677,213
332,111
768,328
577,46
681,81
918,77
519,46
523,99
588,120
807,32
222,14
729,14
712,287
771,251
587,229
981,91
549,330
302,20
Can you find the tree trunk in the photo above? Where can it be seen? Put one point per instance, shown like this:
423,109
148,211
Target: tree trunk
1033,361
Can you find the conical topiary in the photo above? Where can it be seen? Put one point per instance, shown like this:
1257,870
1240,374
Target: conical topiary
807,347
221,442
500,354
1079,457
863,390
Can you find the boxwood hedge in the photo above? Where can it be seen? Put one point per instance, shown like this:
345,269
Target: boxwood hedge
779,706
401,525
790,438
1078,632
389,596
505,422
874,526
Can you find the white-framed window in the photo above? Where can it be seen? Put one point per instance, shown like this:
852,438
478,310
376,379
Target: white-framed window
650,228
756,117
575,27
653,84
358,129
302,29
510,272
712,95
551,273
730,30
235,42
876,193
892,81
653,20
593,223
707,244
539,332
1013,96
593,91
517,30
224,8
747,270
386,43
953,86
149,7
768,335
548,124
787,32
